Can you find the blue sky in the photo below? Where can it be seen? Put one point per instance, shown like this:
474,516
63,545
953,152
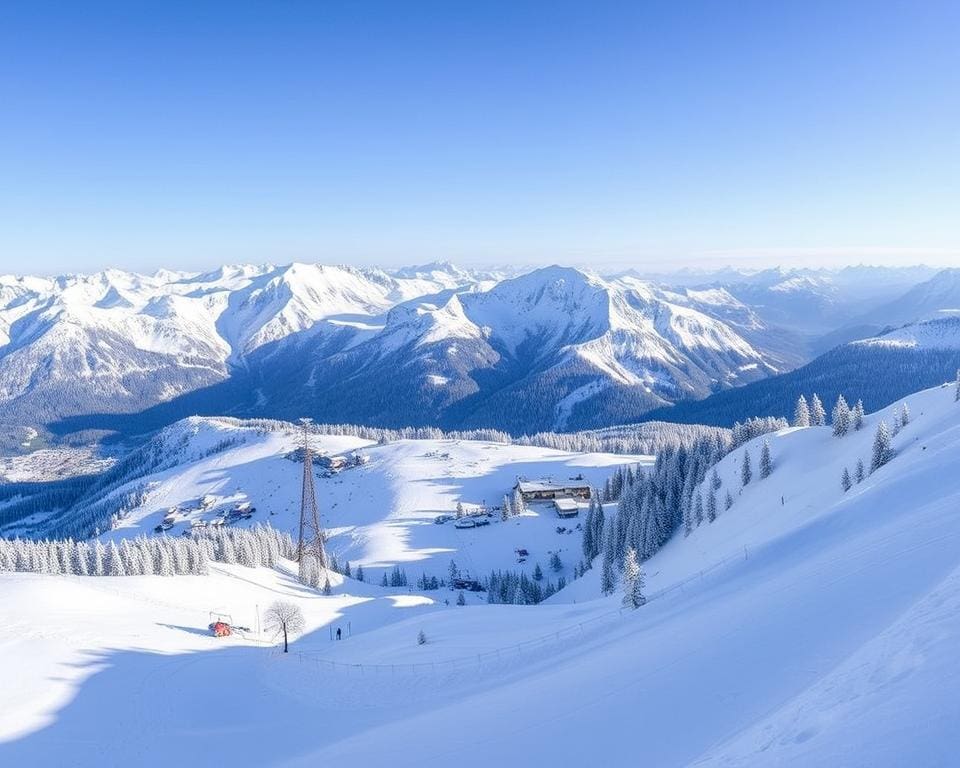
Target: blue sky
141,135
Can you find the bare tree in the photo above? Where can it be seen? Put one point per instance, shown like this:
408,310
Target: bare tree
286,618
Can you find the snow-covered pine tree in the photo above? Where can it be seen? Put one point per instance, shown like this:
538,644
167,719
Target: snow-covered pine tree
860,471
505,508
766,461
607,582
587,540
687,519
801,413
698,509
556,565
360,572
845,480
857,416
904,415
746,471
537,572
727,501
818,416
633,581
841,417
461,599
99,559
114,565
519,506
715,481
711,504
882,447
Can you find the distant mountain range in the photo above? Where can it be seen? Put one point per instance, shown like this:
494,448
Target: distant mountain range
552,349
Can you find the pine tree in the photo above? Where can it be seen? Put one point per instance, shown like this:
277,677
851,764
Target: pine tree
904,415
860,472
746,471
587,540
505,508
460,511
841,417
555,563
857,416
461,599
114,564
633,581
607,582
384,582
326,587
845,480
818,416
360,572
766,462
537,572
715,481
801,413
519,505
882,448
711,505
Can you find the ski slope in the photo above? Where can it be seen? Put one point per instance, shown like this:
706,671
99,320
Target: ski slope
820,631
381,514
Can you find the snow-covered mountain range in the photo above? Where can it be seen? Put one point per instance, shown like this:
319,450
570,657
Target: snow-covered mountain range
554,348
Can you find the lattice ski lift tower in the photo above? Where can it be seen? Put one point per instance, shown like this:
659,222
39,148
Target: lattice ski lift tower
311,554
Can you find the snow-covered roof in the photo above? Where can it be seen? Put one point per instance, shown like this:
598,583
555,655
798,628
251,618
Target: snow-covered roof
566,505
534,486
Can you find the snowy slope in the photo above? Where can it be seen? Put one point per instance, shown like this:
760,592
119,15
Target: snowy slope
938,333
817,632
377,515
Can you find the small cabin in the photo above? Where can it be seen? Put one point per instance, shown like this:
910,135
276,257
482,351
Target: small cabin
566,507
538,490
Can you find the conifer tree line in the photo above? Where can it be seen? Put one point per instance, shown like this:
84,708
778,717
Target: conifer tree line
653,504
511,588
261,545
646,438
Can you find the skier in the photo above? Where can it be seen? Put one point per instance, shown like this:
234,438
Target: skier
338,633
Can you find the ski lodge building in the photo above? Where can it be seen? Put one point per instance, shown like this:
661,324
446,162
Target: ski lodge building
540,490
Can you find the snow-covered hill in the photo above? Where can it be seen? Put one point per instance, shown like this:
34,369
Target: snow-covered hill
806,626
376,515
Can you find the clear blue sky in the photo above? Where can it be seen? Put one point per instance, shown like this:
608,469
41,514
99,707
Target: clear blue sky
185,134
